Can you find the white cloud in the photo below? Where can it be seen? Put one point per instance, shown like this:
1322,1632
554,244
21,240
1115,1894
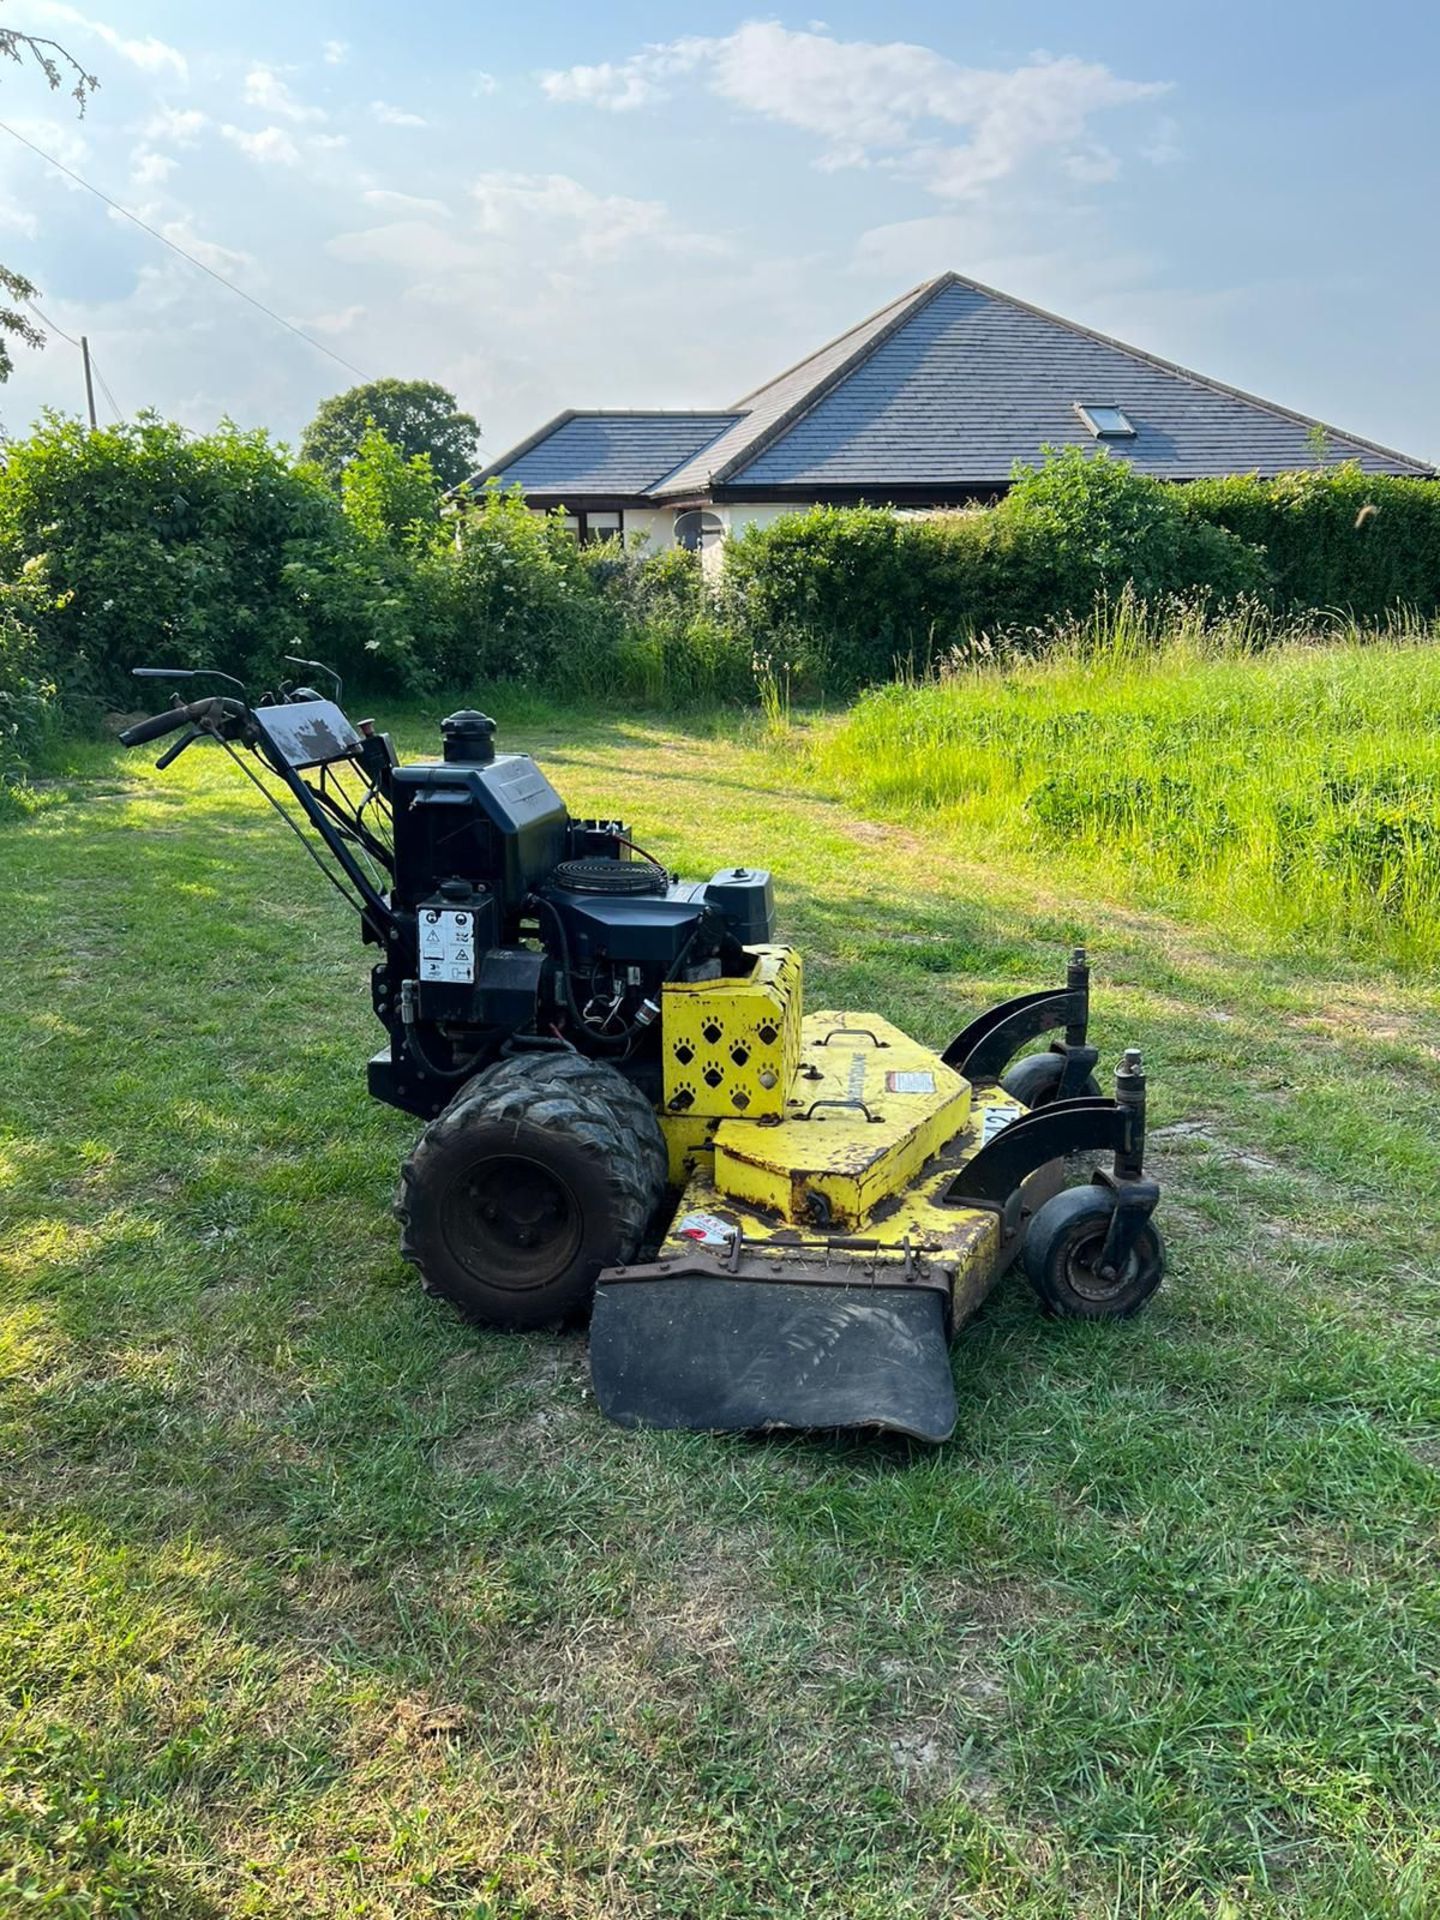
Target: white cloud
327,142
271,146
404,204
1164,147
58,138
224,259
340,322
618,88
336,52
150,169
265,89
893,104
601,225
543,232
179,125
150,55
389,116
1092,165
484,83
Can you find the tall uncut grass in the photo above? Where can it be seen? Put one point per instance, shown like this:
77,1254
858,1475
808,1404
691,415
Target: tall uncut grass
1289,791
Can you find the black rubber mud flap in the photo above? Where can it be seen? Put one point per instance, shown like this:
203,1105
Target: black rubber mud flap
724,1355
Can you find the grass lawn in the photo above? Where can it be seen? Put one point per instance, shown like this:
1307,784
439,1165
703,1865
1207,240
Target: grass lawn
316,1601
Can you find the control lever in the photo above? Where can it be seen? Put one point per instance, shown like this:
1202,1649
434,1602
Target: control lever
174,752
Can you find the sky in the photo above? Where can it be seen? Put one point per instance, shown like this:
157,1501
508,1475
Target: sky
545,205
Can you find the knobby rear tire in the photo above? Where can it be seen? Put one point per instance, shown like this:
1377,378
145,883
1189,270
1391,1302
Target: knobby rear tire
541,1171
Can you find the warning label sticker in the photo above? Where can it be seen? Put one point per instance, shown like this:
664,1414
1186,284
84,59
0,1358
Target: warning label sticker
996,1120
447,946
920,1082
707,1229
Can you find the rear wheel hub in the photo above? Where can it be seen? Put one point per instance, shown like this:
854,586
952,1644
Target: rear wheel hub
514,1222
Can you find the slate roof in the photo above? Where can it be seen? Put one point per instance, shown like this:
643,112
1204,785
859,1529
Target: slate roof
944,389
606,453
767,409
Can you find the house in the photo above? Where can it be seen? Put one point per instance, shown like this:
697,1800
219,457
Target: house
928,403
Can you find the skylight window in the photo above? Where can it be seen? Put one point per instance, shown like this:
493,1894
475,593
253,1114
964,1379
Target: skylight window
1106,423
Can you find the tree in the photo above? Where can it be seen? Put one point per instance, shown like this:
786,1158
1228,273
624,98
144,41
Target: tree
417,416
13,322
388,497
57,64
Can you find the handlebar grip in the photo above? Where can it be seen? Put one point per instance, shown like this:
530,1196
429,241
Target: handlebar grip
159,724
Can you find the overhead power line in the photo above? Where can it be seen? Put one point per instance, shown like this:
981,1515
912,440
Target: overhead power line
175,247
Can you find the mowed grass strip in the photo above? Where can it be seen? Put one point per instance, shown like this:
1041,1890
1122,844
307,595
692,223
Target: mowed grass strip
316,1601
1292,794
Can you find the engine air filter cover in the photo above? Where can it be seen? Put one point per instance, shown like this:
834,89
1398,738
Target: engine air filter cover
600,874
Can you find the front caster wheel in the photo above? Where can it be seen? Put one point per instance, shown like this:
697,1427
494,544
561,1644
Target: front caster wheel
1035,1080
1062,1258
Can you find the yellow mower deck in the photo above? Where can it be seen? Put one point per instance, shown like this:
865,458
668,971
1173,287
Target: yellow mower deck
812,1261
869,1109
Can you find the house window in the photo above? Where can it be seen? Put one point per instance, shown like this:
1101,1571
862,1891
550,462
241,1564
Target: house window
589,527
695,529
1106,423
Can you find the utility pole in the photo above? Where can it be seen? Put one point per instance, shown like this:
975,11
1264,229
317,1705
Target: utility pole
89,383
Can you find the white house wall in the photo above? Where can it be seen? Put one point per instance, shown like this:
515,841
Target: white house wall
737,516
656,525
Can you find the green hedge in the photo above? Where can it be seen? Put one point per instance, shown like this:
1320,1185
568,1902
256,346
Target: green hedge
1362,544
142,544
847,596
161,547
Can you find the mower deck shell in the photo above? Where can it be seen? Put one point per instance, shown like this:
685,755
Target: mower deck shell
813,1272
868,1107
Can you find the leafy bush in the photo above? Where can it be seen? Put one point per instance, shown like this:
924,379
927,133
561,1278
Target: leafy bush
675,646
850,595
30,712
388,498
1336,538
523,602
185,551
1083,526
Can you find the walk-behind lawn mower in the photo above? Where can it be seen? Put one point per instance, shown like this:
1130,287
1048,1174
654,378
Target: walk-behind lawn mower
774,1218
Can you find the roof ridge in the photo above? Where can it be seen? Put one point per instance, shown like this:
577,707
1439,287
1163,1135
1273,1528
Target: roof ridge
730,419
743,404
651,413
1188,373
901,310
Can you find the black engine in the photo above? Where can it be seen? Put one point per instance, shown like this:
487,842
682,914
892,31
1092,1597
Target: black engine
512,925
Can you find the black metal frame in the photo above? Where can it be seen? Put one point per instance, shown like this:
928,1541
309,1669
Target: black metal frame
992,1179
984,1049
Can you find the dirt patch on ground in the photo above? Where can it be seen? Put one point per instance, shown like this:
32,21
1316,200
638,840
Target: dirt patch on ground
1373,1014
685,1632
1207,1136
523,1424
875,833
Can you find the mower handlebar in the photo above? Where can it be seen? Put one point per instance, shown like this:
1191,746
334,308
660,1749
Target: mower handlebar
159,724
